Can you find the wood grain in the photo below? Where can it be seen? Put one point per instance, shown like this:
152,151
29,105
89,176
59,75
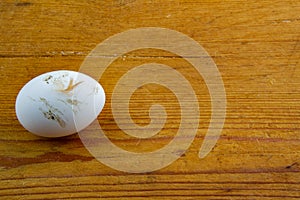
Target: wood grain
256,47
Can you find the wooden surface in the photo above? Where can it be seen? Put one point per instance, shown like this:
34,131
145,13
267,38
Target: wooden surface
255,45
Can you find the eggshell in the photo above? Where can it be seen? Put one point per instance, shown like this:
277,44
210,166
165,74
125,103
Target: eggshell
50,104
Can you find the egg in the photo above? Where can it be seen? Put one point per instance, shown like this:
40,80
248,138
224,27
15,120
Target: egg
59,103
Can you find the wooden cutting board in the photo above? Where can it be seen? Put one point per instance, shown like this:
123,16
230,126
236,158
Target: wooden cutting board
256,48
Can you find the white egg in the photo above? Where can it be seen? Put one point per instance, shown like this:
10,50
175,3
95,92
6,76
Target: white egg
50,104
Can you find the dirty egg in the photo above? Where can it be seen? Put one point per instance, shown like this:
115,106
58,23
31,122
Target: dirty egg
50,104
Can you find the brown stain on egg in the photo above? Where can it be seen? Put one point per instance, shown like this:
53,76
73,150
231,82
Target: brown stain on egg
71,86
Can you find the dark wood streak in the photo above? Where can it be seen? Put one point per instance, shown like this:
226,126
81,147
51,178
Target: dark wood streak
11,162
23,4
141,193
116,174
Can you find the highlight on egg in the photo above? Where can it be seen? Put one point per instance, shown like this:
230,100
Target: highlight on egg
50,104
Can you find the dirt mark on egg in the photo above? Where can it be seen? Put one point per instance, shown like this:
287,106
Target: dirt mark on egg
52,113
59,82
48,78
73,102
51,116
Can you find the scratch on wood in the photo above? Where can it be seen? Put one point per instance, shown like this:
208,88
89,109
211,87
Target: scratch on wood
292,165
